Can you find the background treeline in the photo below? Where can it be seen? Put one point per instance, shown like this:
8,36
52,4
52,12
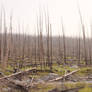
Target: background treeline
39,50
19,50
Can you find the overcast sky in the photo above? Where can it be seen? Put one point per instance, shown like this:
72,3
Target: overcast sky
25,13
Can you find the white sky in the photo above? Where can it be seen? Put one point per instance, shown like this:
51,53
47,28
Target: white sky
25,12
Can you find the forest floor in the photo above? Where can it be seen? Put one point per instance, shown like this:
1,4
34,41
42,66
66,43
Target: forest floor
82,80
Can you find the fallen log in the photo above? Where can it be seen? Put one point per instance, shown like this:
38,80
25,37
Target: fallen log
59,78
7,79
19,73
21,84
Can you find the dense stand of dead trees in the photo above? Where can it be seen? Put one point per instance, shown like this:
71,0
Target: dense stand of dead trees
37,50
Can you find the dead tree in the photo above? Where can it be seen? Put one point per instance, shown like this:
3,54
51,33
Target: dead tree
79,50
64,43
1,36
35,49
84,37
51,49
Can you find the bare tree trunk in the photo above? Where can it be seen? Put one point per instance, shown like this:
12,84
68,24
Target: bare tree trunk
35,49
84,38
51,54
1,36
64,44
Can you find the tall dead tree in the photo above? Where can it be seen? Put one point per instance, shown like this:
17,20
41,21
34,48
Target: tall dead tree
79,50
64,43
48,43
84,37
1,37
35,49
38,49
51,49
90,48
4,42
41,39
6,45
89,51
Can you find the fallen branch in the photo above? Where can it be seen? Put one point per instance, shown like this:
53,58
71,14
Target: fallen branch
21,84
59,78
7,79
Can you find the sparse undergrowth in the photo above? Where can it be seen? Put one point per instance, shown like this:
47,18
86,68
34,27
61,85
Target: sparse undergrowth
85,71
60,70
